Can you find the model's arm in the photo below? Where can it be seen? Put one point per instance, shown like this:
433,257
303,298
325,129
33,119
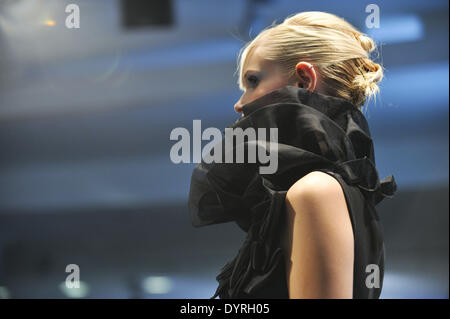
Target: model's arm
319,242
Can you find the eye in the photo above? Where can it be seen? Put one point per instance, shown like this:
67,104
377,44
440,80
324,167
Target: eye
252,80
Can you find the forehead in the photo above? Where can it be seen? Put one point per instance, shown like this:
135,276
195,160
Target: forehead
255,59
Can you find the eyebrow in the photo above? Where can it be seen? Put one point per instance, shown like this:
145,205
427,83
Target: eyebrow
250,71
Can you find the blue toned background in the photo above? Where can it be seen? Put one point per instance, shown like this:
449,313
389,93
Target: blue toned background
85,119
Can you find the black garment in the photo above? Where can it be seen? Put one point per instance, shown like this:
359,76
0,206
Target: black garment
315,133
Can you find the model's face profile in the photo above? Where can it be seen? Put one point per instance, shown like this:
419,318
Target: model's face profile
261,76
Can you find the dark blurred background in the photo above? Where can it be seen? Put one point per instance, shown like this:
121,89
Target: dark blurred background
85,119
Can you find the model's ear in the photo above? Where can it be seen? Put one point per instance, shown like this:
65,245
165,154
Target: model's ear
306,76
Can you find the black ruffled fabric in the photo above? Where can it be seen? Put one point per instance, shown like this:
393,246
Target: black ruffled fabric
315,133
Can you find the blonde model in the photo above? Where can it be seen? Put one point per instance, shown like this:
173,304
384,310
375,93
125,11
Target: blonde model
312,227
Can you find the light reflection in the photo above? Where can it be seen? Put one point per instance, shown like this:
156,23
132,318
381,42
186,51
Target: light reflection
49,23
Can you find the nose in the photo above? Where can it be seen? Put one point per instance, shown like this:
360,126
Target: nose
238,107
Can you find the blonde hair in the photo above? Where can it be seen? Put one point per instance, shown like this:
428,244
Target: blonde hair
340,53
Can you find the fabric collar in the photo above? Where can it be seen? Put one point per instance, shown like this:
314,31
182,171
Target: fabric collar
315,132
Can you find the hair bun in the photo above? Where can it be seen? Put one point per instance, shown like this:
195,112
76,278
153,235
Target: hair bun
365,84
366,42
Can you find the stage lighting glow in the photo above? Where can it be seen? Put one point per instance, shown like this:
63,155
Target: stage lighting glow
81,292
397,28
49,23
4,293
157,285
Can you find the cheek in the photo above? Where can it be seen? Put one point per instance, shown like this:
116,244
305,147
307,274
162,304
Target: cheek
274,83
266,86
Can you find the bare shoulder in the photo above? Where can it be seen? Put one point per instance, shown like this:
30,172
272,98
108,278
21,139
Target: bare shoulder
315,187
319,198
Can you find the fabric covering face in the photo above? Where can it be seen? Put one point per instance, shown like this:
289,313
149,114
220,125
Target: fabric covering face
316,132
